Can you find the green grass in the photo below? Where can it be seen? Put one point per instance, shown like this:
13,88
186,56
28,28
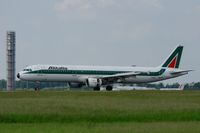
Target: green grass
128,111
131,127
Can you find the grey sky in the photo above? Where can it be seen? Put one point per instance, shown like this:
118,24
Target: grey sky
102,32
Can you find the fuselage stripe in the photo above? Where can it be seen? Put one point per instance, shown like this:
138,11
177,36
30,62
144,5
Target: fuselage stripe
93,72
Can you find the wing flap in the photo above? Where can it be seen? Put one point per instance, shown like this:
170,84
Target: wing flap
121,75
109,79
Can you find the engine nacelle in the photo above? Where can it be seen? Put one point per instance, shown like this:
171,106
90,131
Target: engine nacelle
75,85
94,82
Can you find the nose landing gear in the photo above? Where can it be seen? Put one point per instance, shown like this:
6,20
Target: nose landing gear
37,86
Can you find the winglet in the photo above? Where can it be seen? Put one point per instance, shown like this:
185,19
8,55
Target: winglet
173,61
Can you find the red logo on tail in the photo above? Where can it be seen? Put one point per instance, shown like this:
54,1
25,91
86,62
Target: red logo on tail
173,63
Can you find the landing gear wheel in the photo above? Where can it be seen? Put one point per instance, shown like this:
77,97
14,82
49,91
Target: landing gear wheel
37,86
96,88
109,88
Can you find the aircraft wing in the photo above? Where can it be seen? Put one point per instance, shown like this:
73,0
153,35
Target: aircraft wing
116,77
121,75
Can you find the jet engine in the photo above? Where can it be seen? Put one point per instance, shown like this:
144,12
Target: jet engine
94,82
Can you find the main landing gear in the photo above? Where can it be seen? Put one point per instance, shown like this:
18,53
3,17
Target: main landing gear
97,88
108,88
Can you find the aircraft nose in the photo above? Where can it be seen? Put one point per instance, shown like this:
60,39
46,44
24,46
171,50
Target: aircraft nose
18,76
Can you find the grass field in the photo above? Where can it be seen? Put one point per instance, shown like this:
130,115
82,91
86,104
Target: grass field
82,112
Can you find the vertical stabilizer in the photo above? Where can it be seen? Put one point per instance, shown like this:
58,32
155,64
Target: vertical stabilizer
173,61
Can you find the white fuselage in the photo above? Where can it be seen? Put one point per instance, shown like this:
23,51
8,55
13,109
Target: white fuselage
79,74
97,76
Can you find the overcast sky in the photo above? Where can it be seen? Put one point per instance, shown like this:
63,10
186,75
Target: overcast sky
102,32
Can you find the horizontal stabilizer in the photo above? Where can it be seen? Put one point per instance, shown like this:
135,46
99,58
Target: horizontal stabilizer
182,72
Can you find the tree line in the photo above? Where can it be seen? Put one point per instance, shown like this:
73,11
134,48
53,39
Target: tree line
32,85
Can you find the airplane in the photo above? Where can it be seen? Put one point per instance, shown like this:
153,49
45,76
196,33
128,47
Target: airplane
98,76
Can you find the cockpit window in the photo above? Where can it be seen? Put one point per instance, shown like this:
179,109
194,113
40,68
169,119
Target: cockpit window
29,70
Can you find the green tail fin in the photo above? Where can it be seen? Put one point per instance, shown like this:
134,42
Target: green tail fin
174,59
